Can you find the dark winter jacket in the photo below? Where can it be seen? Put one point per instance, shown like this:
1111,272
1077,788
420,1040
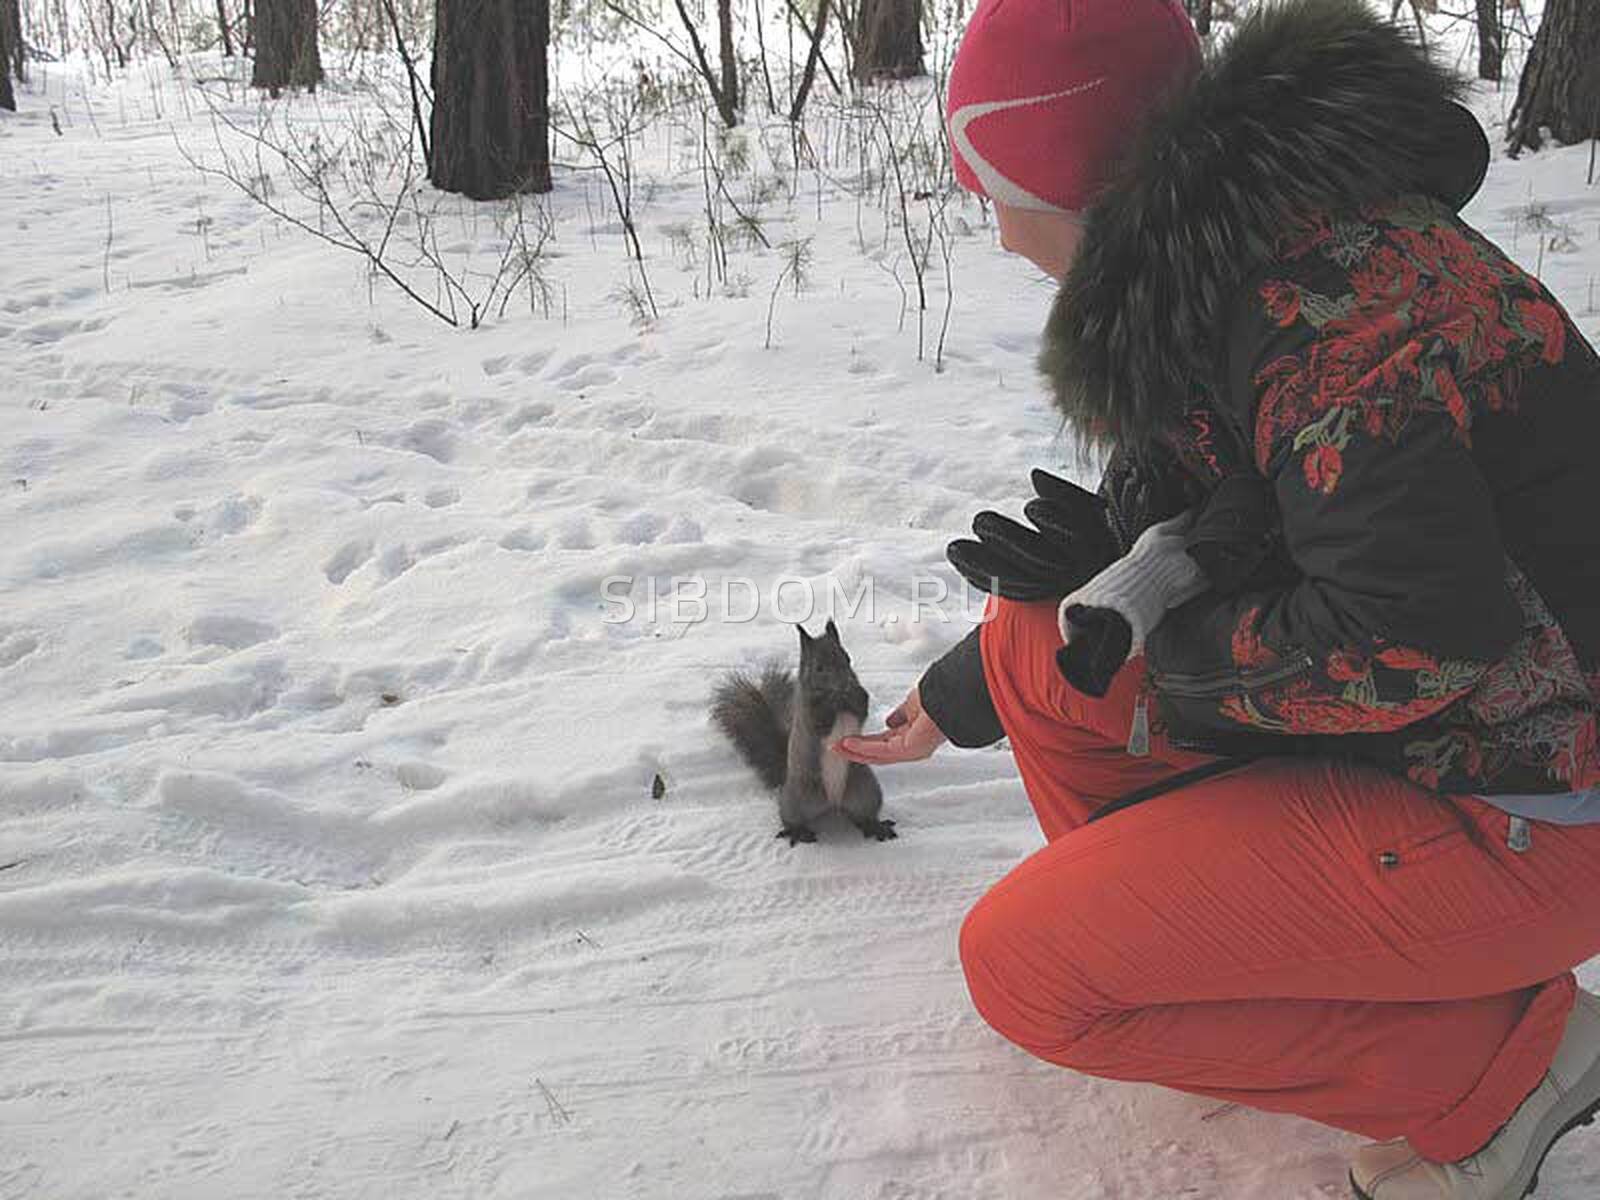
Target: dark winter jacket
1280,267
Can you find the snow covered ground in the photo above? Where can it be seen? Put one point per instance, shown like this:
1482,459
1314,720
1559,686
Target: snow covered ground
330,864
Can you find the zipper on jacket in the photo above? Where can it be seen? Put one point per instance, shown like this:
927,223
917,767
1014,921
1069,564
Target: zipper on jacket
1419,851
1139,730
1518,836
1218,683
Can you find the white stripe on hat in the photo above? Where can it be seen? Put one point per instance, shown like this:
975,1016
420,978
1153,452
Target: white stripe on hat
997,186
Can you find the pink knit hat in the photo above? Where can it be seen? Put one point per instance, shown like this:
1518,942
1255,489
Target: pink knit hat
1044,94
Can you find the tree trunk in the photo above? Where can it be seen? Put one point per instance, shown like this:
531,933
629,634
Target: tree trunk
1491,40
491,97
222,28
8,99
888,40
14,39
10,51
287,55
813,57
723,84
731,99
1560,88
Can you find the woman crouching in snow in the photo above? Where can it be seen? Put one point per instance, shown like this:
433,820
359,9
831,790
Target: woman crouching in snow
1334,614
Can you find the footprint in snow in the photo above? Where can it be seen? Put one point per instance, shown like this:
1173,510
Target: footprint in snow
640,528
230,515
570,366
225,629
527,414
395,562
143,647
524,539
420,776
593,376
401,557
45,333
347,560
16,646
432,437
532,364
187,401
575,535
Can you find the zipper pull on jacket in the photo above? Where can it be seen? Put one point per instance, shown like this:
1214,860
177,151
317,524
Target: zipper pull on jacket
1519,837
1139,732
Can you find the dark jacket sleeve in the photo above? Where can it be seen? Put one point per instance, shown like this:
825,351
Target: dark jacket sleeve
1396,598
955,695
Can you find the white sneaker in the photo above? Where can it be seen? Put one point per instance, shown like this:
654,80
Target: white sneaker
1508,1167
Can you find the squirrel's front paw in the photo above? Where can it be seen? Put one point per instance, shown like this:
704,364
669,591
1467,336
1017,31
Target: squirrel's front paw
882,830
797,833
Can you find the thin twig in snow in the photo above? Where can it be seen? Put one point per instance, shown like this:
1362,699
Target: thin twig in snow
557,1110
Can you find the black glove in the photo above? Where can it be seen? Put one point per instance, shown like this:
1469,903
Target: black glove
1071,543
1111,616
1100,643
1143,487
1140,488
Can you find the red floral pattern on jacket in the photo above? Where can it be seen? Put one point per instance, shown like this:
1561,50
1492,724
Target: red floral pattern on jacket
1388,338
1432,319
1534,708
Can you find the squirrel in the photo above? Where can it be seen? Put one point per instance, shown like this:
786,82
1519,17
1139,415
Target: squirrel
782,725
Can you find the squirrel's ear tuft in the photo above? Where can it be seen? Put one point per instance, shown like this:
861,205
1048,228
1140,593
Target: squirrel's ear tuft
831,630
805,638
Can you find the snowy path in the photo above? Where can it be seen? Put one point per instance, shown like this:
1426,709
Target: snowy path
329,863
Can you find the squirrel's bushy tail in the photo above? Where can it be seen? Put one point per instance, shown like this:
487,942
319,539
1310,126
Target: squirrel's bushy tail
755,713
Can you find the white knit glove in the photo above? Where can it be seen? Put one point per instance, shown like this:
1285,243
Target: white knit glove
1156,574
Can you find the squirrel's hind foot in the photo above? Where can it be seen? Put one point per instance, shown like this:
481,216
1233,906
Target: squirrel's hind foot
881,830
797,833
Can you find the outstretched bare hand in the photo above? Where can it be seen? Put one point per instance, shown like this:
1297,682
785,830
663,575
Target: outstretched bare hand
910,735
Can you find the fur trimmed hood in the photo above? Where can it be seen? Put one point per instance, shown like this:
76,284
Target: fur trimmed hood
1312,106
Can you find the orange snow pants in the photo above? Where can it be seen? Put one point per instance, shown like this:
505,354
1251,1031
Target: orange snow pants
1299,935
